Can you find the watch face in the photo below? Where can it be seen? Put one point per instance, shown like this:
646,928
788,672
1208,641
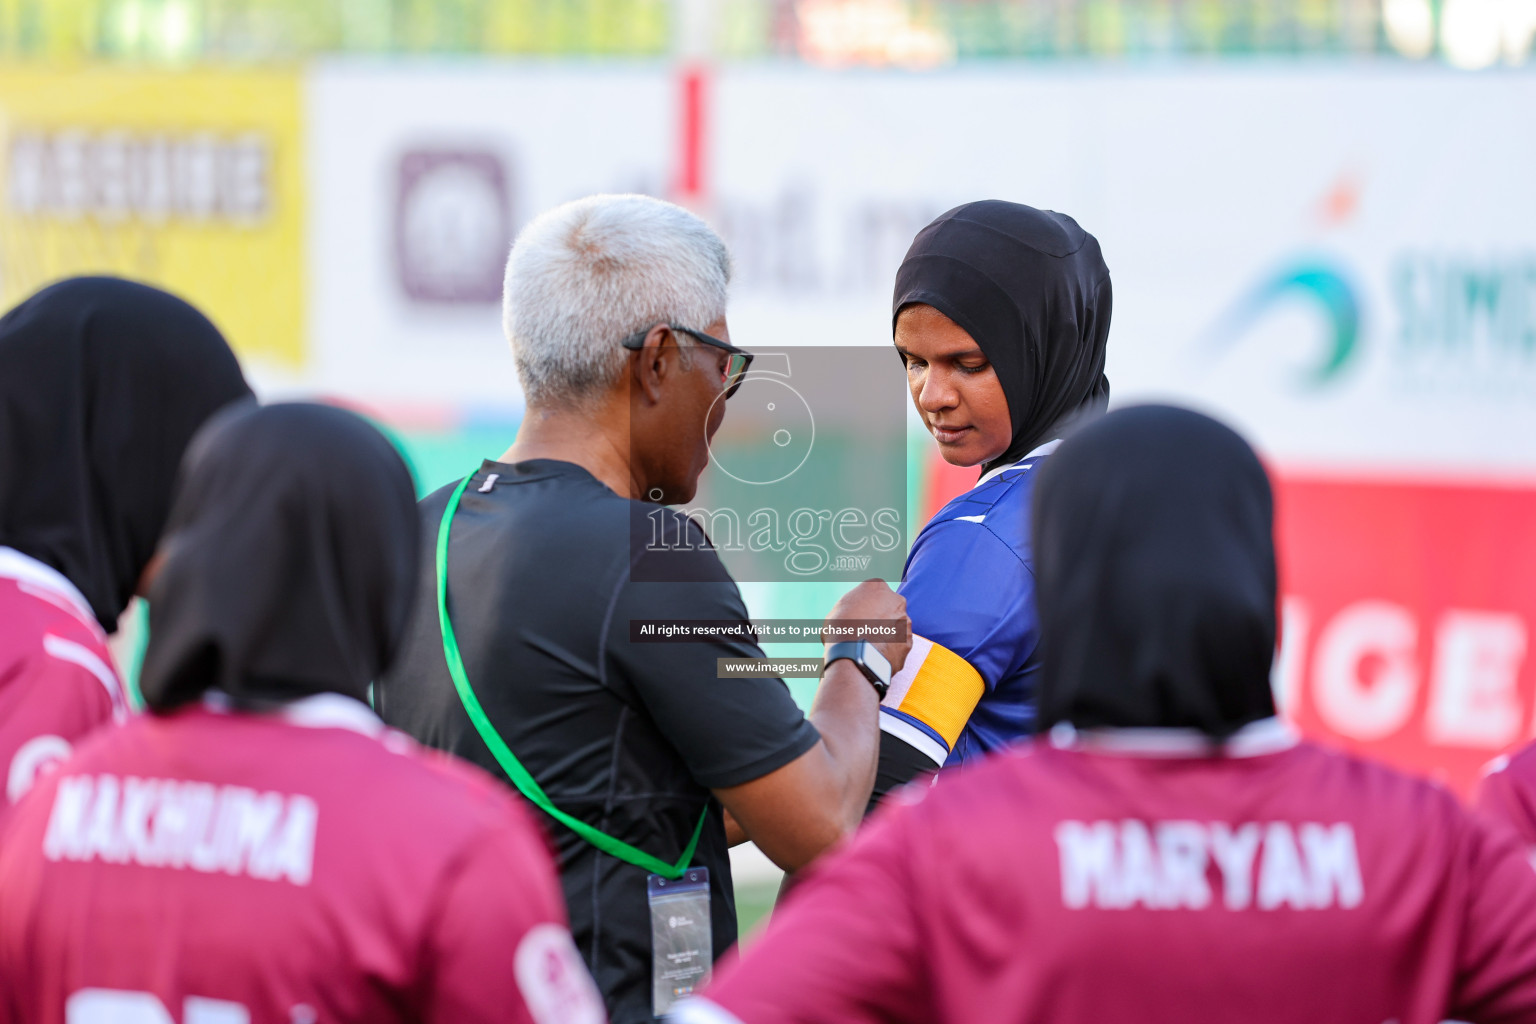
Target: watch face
871,656
872,665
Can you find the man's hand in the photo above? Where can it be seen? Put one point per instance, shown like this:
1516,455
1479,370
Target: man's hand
874,599
795,813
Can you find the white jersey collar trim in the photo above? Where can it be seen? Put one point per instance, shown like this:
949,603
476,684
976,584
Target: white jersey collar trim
698,1010
1266,736
322,711
1044,449
28,571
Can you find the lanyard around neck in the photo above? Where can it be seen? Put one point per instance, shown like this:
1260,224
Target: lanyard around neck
520,776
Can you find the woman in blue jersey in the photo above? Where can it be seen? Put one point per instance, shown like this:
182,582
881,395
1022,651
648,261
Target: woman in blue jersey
1001,315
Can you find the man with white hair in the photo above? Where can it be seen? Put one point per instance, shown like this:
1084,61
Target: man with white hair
522,657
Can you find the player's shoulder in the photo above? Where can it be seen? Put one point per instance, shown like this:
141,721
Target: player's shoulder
45,638
1003,493
1377,797
440,773
424,802
993,514
979,797
1313,777
436,785
1369,776
461,809
975,821
37,619
1517,768
336,744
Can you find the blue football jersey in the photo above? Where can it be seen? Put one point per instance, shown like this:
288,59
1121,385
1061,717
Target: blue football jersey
968,685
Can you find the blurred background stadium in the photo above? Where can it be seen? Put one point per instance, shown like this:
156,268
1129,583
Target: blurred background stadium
909,33
1320,215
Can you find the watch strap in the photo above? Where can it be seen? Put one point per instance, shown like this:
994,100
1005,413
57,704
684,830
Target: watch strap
870,662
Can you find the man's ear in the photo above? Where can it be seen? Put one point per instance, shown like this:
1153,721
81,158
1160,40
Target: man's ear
147,577
656,362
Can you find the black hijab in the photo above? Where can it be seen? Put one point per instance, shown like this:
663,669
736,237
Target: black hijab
1031,288
102,384
1155,570
290,560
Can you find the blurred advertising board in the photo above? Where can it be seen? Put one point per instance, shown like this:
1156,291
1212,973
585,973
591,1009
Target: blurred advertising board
188,180
1341,262
1407,618
1338,259
420,175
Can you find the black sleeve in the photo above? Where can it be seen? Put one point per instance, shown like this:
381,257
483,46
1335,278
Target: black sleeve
728,731
900,763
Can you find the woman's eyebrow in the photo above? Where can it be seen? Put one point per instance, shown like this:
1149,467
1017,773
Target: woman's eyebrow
966,353
945,357
961,354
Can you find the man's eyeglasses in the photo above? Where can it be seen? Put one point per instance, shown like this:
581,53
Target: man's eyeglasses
735,369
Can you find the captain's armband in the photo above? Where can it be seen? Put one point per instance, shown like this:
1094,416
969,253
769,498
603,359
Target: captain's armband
931,699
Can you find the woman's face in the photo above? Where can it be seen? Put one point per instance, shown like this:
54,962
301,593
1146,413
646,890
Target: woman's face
954,387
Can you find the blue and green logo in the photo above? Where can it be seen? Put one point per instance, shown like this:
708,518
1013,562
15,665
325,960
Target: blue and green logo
1311,281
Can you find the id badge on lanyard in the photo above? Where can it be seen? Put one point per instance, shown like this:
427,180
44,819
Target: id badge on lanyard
682,946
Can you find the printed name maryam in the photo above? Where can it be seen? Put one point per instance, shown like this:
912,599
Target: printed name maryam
1166,865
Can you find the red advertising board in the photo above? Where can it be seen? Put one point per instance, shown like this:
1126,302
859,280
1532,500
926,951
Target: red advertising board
1407,618
1407,611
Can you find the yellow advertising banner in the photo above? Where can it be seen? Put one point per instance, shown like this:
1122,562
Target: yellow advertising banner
189,180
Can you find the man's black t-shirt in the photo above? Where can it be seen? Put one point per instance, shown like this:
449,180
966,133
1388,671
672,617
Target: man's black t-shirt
629,737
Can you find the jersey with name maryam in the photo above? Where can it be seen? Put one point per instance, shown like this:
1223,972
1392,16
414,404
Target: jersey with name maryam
967,688
1124,875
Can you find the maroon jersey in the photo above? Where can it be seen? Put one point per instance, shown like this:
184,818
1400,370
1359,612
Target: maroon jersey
1507,793
56,677
1090,885
305,867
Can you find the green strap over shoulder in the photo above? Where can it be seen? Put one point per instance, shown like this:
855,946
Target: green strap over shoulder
520,776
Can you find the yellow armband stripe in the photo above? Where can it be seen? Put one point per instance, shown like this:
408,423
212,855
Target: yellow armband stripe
937,687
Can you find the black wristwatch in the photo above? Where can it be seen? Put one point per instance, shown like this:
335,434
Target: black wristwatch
867,657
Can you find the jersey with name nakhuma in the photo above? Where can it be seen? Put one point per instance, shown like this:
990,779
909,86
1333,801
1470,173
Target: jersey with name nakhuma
208,867
1095,886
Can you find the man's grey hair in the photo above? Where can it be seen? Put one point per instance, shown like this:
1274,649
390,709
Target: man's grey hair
584,276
